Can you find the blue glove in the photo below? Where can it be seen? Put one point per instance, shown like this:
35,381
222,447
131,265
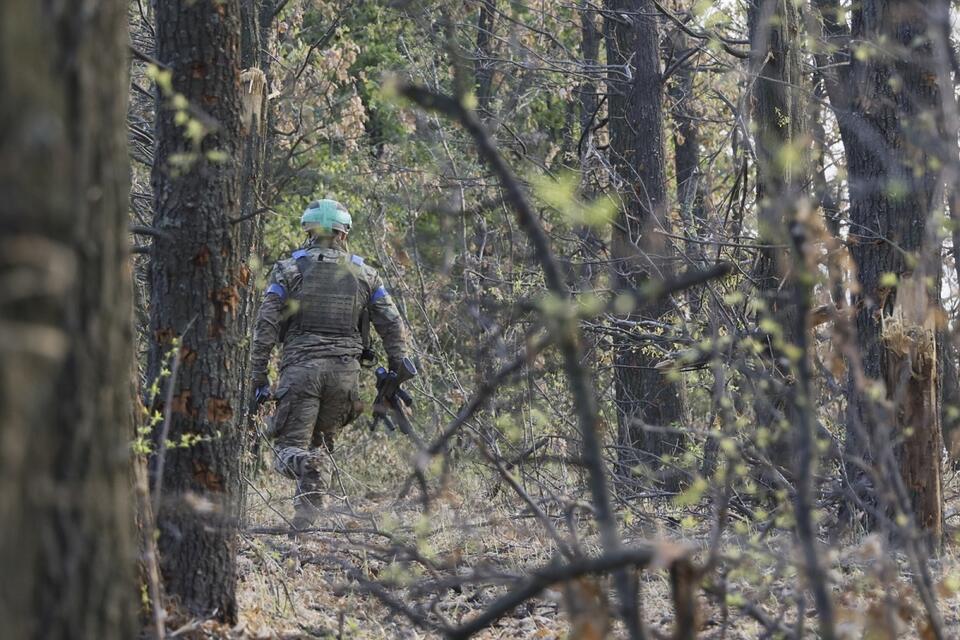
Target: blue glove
262,394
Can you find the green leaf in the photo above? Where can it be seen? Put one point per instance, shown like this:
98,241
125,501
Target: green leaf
888,280
692,494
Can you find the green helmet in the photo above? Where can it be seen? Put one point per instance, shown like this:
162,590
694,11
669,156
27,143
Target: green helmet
326,216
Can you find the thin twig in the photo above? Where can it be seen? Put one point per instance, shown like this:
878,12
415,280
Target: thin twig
568,337
167,419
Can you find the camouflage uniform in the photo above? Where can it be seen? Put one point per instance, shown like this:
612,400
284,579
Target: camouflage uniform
318,390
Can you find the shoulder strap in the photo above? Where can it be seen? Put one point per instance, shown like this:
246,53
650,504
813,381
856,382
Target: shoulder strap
301,257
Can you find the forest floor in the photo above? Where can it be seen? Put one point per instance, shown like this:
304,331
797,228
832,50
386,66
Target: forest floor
301,588
312,586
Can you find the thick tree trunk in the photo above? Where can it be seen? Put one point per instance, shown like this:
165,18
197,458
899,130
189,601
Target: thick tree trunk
198,282
66,543
884,106
779,136
890,203
643,396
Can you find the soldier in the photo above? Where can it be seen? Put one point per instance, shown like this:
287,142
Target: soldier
319,305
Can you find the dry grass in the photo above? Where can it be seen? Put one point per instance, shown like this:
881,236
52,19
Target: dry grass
303,588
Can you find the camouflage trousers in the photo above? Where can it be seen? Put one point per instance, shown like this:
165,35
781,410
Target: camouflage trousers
314,401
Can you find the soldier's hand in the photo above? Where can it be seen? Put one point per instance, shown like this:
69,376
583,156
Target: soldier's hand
261,395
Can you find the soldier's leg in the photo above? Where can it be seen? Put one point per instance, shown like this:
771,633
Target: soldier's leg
339,400
298,404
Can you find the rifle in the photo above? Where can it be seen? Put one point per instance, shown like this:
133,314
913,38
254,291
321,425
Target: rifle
391,399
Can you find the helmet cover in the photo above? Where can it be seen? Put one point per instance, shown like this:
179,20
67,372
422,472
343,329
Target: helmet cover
326,216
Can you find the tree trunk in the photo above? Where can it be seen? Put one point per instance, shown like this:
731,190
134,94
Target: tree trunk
480,249
884,105
66,544
824,193
889,208
949,349
198,282
588,106
950,408
779,137
690,181
692,193
483,65
908,336
643,396
256,17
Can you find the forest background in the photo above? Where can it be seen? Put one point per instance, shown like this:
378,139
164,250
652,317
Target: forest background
681,282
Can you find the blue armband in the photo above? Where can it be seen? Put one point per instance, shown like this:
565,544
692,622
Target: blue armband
277,289
299,253
379,293
357,260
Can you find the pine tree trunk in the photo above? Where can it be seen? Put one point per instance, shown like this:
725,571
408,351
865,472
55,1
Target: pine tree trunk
643,395
198,282
66,543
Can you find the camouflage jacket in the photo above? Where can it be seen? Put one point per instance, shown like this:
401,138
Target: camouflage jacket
277,312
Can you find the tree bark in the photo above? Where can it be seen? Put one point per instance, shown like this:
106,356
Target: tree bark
780,140
889,208
690,182
885,104
66,544
483,65
588,104
643,395
256,17
948,347
198,281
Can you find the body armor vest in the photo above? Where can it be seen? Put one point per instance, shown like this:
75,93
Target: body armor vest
329,297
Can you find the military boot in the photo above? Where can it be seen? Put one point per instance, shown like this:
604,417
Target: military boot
306,504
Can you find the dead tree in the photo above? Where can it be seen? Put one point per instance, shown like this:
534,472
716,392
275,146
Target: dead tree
256,17
885,105
66,544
